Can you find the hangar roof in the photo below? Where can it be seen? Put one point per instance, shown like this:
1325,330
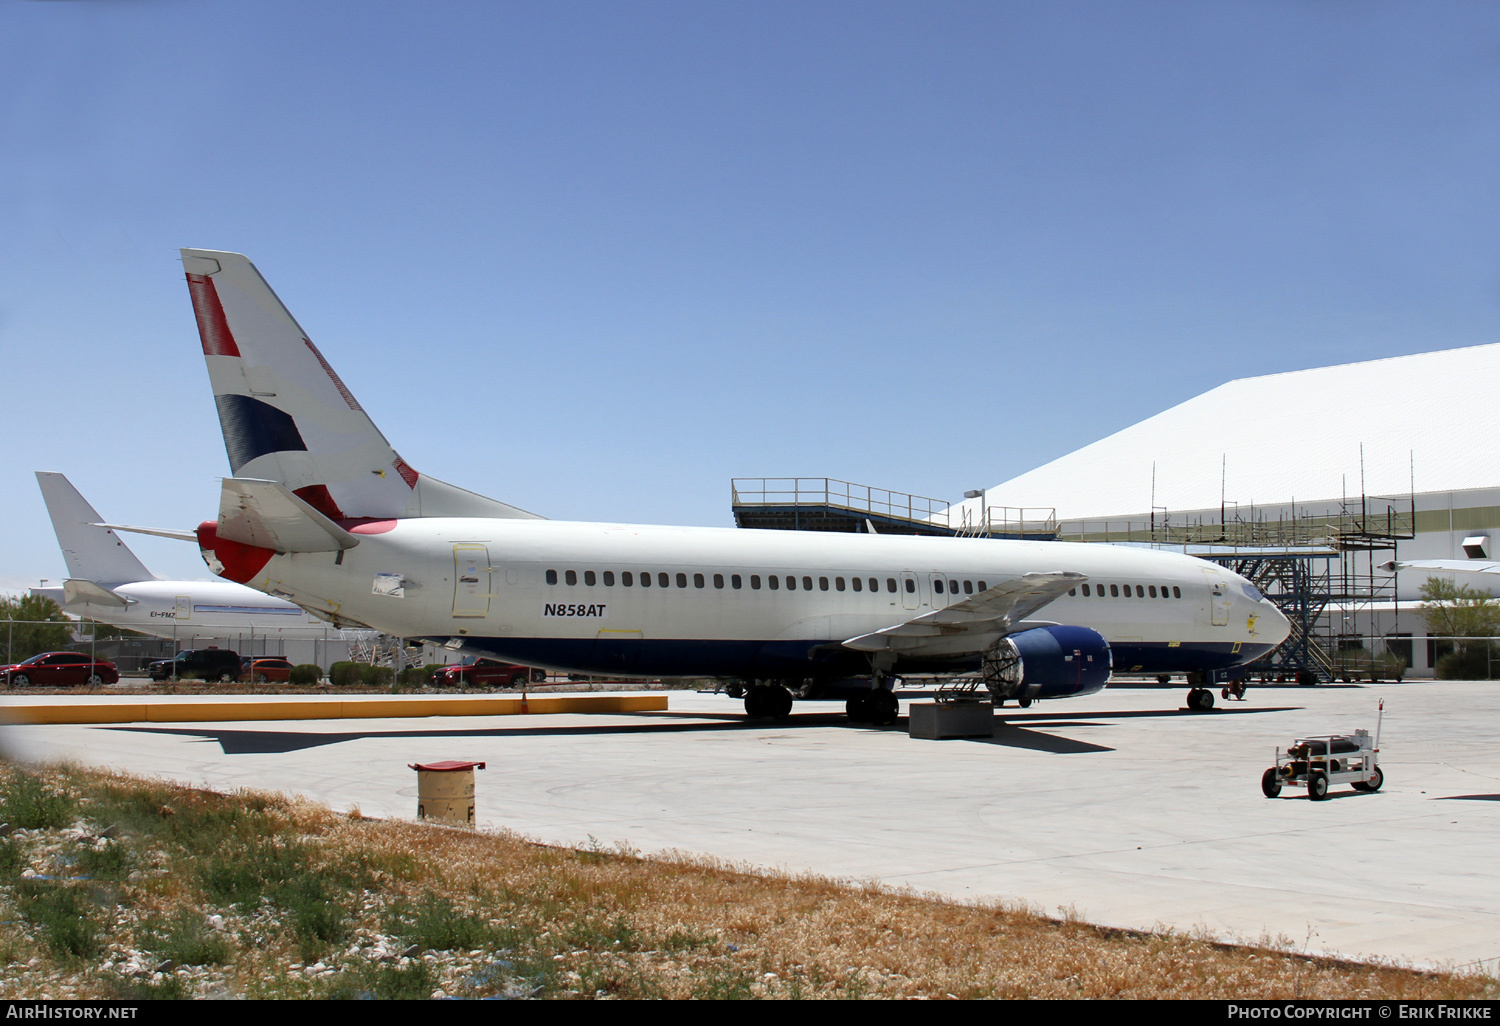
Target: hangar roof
1284,436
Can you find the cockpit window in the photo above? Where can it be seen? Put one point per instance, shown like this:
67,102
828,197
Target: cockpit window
1252,591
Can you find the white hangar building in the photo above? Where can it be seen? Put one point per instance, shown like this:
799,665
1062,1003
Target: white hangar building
1386,459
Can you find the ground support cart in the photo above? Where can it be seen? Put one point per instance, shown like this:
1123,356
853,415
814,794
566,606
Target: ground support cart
1318,763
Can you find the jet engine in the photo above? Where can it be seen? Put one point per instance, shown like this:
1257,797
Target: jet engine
1047,662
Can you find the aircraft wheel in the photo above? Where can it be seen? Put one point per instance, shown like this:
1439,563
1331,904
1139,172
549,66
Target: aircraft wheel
20,680
884,708
1163,678
858,709
778,703
1317,785
755,702
734,691
1270,783
1024,703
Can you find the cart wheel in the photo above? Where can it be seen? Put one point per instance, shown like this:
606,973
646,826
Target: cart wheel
1376,779
1317,785
1270,784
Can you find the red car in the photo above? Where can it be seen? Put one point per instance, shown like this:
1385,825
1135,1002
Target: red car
60,668
482,672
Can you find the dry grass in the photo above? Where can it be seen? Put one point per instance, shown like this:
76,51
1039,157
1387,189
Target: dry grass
257,895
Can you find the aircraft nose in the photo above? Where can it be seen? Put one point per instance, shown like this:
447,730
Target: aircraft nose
1275,624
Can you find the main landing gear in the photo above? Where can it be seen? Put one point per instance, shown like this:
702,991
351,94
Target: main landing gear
768,701
877,706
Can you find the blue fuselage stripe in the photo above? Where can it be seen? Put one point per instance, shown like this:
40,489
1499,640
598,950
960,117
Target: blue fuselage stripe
805,659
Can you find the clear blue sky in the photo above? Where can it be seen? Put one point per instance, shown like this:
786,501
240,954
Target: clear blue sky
596,259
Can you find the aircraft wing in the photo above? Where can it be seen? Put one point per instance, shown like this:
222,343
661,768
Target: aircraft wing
986,616
268,515
1471,566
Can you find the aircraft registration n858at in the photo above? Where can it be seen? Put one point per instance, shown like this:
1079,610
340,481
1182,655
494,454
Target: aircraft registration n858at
323,512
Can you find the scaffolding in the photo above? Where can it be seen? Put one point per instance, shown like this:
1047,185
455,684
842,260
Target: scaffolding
1317,565
1018,522
827,504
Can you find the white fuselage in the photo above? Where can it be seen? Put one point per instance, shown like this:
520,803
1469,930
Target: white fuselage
203,609
710,607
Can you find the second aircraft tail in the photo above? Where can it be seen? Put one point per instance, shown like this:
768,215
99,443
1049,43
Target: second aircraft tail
93,553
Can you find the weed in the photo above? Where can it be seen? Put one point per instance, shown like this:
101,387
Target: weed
109,861
29,804
414,981
12,858
185,938
242,875
722,984
170,987
434,923
318,919
62,916
590,933
678,941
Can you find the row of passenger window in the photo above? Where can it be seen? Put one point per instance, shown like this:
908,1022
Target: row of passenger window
629,579
1123,591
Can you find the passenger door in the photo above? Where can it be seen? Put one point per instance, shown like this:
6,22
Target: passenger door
471,580
1218,599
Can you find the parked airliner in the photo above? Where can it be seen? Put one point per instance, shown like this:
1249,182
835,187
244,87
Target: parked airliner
108,583
322,512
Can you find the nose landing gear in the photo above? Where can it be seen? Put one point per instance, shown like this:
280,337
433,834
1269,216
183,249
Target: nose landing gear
1200,699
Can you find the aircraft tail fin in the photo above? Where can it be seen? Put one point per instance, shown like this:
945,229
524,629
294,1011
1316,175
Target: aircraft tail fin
92,552
288,418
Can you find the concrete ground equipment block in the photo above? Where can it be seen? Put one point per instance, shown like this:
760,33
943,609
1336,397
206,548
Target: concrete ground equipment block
935,721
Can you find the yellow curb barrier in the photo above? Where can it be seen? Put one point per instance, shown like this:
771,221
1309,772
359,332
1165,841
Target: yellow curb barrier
319,708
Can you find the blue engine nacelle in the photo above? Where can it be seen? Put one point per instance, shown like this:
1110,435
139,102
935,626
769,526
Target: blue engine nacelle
1047,662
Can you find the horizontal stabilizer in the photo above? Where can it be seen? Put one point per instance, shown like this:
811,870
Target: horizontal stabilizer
159,532
78,592
993,613
268,516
